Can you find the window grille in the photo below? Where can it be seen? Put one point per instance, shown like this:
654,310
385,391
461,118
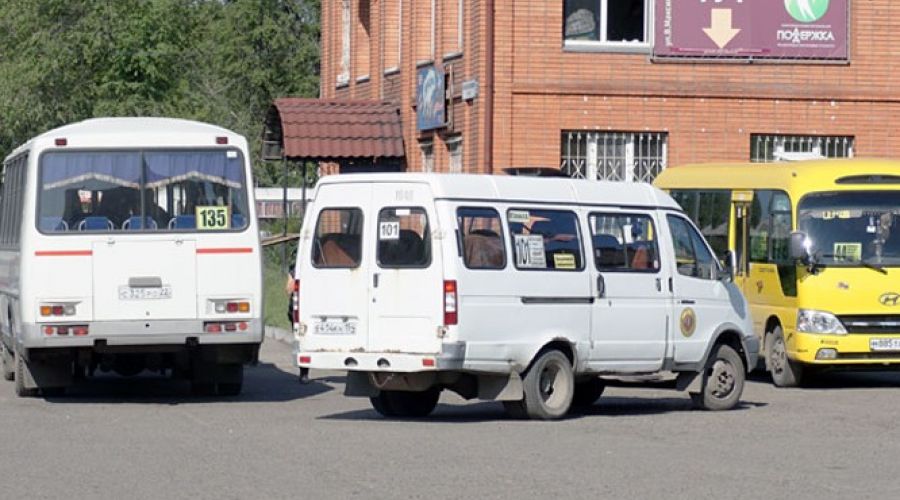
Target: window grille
768,148
614,156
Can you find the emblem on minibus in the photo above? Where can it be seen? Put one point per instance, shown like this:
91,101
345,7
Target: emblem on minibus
890,299
688,322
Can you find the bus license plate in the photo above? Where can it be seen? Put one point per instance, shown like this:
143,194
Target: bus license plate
335,328
884,344
151,293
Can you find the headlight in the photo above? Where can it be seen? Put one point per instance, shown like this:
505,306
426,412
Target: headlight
809,321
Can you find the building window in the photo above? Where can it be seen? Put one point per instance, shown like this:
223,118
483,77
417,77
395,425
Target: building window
766,148
607,23
393,21
451,27
614,156
427,148
455,151
361,44
344,76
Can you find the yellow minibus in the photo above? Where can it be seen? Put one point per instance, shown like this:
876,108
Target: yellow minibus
815,248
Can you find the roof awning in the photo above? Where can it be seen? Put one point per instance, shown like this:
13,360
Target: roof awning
332,130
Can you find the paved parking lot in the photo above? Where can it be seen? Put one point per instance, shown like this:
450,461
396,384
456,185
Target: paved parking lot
146,437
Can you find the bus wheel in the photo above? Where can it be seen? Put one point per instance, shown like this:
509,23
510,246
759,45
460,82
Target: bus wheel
785,373
587,393
722,382
549,386
413,404
382,404
8,362
21,390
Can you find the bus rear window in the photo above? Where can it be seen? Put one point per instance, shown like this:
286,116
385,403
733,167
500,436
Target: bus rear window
152,190
338,240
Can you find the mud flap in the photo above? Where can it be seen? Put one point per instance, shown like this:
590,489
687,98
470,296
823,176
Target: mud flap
501,387
45,374
689,381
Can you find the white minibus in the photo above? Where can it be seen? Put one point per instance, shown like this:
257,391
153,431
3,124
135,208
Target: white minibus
129,244
523,290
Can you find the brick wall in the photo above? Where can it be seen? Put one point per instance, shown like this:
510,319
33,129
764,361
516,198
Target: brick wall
708,110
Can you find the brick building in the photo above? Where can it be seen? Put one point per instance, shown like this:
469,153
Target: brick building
599,88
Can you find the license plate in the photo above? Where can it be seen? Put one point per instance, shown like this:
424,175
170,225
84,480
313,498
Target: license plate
150,293
335,328
884,344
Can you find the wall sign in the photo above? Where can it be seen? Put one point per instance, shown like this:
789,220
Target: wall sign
758,29
430,113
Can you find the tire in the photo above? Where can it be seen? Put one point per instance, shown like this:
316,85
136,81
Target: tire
516,409
785,373
203,388
722,380
21,390
382,405
413,404
8,362
549,386
587,393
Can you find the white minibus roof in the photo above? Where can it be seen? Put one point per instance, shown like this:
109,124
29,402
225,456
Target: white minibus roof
110,133
514,189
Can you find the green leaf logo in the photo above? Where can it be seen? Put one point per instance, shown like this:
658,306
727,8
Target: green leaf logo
806,11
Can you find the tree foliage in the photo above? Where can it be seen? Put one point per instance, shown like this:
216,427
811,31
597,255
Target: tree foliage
219,61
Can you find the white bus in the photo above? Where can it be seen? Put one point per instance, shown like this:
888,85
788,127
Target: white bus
129,244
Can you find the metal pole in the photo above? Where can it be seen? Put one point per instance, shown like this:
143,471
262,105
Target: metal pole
284,213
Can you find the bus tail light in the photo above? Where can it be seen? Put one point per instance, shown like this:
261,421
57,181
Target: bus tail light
228,326
76,330
65,309
451,313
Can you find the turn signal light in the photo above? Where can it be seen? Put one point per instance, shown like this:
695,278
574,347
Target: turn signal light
58,310
451,313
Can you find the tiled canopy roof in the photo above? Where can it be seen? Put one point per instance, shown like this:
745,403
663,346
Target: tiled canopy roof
333,129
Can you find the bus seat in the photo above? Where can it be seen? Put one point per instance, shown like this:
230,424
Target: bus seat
135,222
641,258
483,249
53,224
238,221
184,221
95,223
608,252
334,253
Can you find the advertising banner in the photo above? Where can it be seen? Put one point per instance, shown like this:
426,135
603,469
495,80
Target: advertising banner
758,29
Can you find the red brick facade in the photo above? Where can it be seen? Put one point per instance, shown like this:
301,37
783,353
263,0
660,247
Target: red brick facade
541,87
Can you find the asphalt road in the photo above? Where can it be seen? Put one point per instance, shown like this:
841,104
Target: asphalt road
147,437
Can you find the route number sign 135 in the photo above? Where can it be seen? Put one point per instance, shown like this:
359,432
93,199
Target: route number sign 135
212,218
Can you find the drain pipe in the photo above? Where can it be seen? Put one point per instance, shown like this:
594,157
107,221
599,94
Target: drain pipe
489,90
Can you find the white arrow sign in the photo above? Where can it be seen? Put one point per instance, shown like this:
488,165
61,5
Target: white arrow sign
720,30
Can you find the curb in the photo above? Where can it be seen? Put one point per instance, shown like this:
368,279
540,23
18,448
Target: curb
280,334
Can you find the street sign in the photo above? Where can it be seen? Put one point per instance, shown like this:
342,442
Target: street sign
469,90
759,29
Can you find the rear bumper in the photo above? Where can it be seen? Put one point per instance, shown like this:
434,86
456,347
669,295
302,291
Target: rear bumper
451,357
140,333
850,349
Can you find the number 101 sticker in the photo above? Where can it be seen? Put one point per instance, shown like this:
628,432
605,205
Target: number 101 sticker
389,230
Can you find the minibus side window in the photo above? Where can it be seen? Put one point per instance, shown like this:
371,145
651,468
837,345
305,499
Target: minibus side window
770,235
338,240
481,240
545,239
624,242
404,238
692,257
710,210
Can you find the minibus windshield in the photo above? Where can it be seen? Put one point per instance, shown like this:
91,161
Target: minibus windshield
852,228
142,190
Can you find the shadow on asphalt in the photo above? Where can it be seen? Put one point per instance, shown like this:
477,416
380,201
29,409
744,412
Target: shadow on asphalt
837,380
612,406
263,383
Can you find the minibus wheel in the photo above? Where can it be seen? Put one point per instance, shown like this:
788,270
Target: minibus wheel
406,403
549,386
382,404
9,363
722,380
785,373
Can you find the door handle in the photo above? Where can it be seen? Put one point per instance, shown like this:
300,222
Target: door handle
688,302
658,285
601,286
374,280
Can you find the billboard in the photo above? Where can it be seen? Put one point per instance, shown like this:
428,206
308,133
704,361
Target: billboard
430,98
758,29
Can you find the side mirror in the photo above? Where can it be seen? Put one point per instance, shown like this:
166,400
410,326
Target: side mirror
799,246
729,264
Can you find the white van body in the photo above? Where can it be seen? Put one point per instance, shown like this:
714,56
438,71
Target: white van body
129,244
549,275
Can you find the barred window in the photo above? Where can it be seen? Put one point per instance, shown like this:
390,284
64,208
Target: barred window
768,148
614,156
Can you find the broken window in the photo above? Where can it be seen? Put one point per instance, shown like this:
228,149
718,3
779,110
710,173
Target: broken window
607,21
